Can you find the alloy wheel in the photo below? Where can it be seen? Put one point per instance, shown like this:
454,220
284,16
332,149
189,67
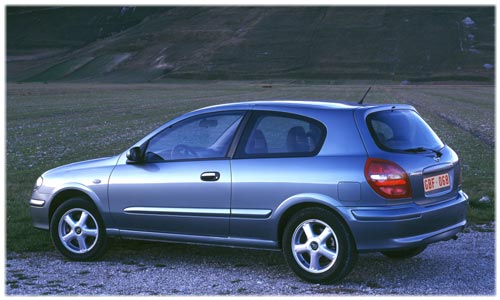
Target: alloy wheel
315,246
78,230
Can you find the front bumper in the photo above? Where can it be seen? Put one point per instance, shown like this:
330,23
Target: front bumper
39,209
406,226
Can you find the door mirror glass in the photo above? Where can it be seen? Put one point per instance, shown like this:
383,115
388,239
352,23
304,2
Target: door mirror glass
134,155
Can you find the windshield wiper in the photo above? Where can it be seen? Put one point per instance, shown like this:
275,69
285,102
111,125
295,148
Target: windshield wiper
424,149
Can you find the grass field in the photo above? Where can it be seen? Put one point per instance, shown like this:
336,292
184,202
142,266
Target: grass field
53,124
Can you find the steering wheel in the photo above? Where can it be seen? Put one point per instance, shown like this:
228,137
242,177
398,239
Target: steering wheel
183,151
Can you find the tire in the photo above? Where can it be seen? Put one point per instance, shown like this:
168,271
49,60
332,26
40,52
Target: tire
404,253
318,247
77,230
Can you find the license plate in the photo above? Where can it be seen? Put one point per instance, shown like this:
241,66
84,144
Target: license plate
436,182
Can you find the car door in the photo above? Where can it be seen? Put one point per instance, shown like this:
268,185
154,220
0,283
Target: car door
183,185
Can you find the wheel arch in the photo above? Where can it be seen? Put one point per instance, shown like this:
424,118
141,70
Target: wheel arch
63,196
68,192
322,201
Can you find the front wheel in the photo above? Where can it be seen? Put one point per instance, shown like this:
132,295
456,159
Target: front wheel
77,230
318,247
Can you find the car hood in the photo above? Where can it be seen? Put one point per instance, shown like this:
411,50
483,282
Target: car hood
84,165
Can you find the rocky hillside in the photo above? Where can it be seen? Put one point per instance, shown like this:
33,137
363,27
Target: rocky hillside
136,44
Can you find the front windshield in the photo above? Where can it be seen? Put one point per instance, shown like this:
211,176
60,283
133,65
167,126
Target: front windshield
402,130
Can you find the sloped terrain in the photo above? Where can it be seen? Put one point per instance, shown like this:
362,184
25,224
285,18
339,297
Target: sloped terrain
134,44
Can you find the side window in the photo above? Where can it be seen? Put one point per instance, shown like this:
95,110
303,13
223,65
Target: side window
273,134
205,136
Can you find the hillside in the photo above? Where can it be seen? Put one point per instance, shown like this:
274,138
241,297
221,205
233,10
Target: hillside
137,44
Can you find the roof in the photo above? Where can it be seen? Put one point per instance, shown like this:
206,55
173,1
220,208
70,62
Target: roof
326,104
295,105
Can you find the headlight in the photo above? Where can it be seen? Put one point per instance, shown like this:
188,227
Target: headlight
38,183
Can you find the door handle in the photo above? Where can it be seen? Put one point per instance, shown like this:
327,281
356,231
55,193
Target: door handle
210,176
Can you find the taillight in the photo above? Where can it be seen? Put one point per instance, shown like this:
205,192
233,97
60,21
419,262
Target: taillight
387,178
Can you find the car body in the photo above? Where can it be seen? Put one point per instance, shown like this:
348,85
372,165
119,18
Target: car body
322,181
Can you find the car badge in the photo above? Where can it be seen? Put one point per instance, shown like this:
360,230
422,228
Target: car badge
437,158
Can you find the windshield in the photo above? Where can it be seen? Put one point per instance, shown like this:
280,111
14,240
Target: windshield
402,130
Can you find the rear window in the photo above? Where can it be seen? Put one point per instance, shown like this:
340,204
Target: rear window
402,130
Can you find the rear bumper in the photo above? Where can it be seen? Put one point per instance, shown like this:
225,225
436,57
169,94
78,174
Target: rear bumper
376,228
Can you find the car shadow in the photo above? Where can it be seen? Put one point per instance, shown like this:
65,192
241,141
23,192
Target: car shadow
372,271
145,252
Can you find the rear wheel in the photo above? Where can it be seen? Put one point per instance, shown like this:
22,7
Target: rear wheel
77,230
404,253
318,247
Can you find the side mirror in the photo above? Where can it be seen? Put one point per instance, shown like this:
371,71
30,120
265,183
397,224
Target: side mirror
134,155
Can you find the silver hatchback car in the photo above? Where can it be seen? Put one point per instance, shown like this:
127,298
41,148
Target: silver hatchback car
321,181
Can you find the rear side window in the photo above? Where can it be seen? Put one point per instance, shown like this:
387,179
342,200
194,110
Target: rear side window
271,134
401,130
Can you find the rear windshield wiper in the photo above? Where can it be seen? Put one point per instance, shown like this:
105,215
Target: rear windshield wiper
424,149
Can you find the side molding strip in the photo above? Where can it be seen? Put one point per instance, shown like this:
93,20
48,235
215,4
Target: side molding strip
251,213
218,212
179,211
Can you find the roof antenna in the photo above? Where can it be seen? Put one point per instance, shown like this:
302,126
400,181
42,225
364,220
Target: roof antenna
366,93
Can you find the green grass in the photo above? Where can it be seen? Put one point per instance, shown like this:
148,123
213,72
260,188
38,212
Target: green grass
53,124
61,69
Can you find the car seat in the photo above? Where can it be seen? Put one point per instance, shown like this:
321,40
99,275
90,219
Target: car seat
257,143
297,140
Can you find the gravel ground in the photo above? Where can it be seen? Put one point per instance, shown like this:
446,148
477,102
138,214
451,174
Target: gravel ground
462,267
